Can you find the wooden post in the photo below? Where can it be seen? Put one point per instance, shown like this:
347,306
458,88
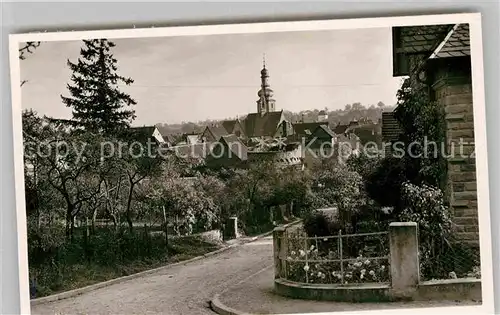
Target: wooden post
340,257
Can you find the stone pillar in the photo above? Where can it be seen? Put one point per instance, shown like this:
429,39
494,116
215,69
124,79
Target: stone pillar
278,249
405,273
453,91
231,228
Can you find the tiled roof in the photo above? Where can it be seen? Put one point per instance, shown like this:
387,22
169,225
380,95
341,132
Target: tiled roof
168,138
420,39
415,42
301,128
325,129
197,151
144,129
261,126
376,128
340,129
217,131
368,133
141,134
430,42
456,43
237,147
390,127
229,125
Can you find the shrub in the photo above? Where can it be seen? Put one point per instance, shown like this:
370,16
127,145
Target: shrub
422,120
341,187
383,185
318,223
440,253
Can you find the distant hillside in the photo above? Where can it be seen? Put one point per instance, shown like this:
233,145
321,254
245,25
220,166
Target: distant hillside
355,111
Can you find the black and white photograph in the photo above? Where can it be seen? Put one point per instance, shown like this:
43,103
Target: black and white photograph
264,168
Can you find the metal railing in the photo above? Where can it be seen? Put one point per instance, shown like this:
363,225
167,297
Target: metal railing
337,259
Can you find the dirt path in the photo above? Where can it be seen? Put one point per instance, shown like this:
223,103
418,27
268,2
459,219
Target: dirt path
184,289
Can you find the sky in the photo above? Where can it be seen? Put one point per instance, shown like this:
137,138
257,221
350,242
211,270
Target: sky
193,78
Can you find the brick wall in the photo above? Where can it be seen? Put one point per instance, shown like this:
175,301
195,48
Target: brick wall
456,97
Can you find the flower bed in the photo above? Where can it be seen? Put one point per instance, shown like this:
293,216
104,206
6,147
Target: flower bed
341,259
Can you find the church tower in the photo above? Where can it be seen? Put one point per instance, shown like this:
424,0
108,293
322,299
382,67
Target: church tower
265,103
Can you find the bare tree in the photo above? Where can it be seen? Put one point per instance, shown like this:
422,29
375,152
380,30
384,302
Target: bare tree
28,48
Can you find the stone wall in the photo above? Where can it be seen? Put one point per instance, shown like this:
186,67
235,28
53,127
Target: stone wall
455,95
293,157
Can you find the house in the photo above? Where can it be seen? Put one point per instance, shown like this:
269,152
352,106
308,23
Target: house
437,58
322,116
228,151
234,127
168,140
324,143
213,133
145,133
305,130
197,152
368,132
319,144
340,129
391,131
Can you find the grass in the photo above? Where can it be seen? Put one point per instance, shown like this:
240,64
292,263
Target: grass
79,275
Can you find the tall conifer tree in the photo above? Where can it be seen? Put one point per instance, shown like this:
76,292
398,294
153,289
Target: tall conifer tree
97,103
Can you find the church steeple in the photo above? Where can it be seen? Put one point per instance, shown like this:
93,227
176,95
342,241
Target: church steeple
265,103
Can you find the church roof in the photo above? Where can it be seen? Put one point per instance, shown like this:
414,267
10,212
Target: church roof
257,125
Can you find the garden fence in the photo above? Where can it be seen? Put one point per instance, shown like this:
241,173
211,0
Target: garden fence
337,259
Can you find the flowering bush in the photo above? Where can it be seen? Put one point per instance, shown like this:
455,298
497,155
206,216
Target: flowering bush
475,273
425,205
440,255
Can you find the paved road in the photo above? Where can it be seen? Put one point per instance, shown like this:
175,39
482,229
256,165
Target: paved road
184,289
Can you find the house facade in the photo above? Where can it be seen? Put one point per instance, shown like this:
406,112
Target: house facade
438,58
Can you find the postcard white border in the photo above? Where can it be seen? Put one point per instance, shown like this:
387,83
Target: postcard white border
474,21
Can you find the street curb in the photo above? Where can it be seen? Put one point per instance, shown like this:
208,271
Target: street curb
92,287
221,309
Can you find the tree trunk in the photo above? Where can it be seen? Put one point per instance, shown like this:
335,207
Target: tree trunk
72,229
69,221
165,221
94,218
128,211
113,218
